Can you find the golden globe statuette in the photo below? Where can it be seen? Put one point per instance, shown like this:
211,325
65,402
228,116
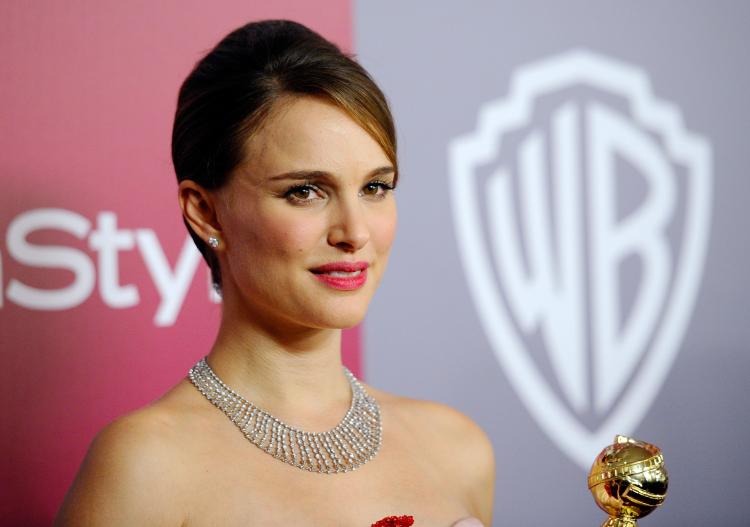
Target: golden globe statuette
628,480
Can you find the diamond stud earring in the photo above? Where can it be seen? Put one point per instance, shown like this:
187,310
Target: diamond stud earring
213,241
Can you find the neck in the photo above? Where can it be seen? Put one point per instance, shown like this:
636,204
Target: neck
293,373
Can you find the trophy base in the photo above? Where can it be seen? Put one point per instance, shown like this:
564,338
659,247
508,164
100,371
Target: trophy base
619,522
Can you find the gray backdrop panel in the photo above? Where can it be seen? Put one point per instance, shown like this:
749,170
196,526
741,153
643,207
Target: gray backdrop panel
439,63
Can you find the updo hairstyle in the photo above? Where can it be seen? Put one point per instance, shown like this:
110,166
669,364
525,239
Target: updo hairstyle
231,90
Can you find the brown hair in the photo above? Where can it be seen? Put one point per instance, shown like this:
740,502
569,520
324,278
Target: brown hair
231,91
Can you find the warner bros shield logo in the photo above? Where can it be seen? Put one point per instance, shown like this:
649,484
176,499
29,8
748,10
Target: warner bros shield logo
582,207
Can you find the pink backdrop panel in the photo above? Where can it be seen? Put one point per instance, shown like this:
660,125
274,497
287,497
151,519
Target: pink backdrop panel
101,310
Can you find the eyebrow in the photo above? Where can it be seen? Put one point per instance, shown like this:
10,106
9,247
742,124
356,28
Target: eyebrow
306,175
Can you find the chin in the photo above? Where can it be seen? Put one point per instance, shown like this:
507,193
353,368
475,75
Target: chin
350,323
341,315
343,321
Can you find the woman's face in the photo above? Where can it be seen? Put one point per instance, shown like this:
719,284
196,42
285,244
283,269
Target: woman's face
308,219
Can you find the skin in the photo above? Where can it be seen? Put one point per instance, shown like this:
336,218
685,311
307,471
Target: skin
181,462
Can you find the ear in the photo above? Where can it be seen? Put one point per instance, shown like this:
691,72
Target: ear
199,209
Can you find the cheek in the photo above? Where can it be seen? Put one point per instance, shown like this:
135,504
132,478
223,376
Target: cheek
286,235
384,230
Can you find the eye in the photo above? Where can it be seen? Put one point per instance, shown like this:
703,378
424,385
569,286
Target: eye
377,189
302,193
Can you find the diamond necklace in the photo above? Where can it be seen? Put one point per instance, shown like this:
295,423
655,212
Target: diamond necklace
350,444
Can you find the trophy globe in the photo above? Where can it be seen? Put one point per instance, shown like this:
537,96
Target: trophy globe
628,480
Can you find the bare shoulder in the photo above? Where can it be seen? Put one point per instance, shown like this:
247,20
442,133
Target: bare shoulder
131,473
450,427
452,423
452,439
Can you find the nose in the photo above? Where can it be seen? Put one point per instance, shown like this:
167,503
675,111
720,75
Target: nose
349,230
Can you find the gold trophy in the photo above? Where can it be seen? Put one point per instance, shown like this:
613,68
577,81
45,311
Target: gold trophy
628,480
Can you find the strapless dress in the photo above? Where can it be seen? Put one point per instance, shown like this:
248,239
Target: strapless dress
407,521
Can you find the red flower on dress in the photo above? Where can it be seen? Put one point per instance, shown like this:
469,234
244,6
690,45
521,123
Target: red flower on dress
394,521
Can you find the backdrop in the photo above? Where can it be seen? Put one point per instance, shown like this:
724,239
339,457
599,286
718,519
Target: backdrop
572,252
571,255
104,302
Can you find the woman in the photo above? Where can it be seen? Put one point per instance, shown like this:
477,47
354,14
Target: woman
285,152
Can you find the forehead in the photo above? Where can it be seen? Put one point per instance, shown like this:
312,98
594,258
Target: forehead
308,133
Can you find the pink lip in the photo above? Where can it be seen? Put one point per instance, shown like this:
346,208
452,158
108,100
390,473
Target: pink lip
346,283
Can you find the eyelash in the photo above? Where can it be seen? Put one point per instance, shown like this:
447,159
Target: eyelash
289,194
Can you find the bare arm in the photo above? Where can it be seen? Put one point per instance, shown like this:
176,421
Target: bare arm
129,477
483,493
467,453
479,462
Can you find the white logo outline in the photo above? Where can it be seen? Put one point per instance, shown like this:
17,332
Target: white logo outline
580,67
